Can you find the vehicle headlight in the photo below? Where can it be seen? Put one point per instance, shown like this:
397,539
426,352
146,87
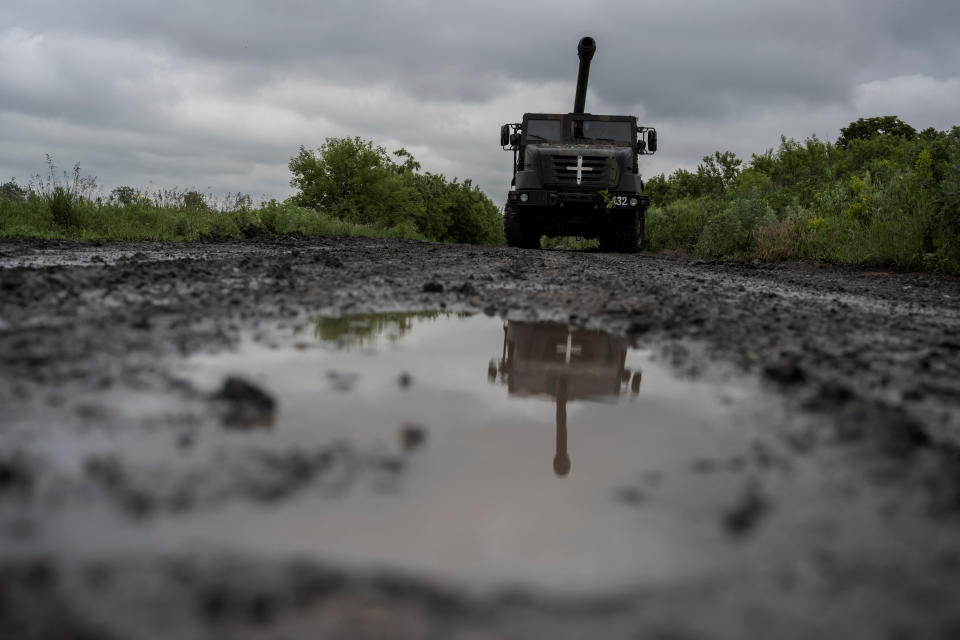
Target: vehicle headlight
524,197
633,202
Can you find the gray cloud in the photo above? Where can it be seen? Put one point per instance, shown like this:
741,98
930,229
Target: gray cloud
221,94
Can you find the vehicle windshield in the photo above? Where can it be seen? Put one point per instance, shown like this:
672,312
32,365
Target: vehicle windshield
602,131
543,131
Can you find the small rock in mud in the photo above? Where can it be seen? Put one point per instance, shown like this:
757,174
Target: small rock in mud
185,441
831,395
705,465
334,262
12,281
107,470
412,436
745,514
404,380
630,495
88,411
889,427
113,476
14,475
786,371
39,574
280,271
340,381
465,289
638,327
248,405
272,475
389,464
433,287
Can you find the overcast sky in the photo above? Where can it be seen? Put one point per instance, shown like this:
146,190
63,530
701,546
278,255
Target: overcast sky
219,95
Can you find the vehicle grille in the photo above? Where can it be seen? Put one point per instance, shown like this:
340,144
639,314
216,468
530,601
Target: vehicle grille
593,172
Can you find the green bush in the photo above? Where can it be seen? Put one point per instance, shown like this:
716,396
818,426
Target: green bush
881,195
124,195
678,225
195,200
787,238
355,181
730,232
12,191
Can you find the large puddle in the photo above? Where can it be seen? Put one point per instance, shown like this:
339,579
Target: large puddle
510,452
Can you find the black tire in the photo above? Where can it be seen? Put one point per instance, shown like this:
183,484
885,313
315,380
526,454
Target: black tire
628,228
642,242
521,231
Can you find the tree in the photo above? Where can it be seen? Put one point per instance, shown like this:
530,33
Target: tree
124,195
719,171
195,200
12,191
474,219
865,128
353,180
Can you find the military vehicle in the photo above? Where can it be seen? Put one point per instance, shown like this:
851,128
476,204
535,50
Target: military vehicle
576,174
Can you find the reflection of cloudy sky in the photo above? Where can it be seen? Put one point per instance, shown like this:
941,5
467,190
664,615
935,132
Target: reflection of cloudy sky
480,501
221,94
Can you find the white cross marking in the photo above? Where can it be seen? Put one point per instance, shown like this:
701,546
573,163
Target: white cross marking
579,169
569,349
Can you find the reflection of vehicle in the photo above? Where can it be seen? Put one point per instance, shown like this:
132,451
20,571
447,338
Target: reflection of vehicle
576,174
564,363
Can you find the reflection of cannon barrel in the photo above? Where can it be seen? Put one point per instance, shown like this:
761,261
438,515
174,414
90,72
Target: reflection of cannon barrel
561,459
585,50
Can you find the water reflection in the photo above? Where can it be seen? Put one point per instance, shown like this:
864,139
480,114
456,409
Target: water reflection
563,363
445,474
348,332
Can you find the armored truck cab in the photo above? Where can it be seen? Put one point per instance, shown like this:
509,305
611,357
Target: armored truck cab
576,174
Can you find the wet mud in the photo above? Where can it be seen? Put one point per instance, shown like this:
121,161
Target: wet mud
161,477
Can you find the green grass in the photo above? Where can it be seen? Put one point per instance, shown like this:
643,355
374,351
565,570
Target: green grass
61,214
568,243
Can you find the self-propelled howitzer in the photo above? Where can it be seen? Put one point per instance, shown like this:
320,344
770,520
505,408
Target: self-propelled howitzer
576,174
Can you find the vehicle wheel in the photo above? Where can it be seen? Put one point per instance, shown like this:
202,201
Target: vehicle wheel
641,241
607,238
520,232
629,232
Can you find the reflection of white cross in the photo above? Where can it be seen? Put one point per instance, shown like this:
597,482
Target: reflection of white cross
579,169
569,349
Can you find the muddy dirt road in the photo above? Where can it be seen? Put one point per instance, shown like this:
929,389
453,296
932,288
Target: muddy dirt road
286,439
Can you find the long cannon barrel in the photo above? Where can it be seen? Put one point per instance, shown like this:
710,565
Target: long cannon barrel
586,49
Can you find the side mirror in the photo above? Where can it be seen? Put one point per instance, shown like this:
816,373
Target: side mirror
652,140
505,135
